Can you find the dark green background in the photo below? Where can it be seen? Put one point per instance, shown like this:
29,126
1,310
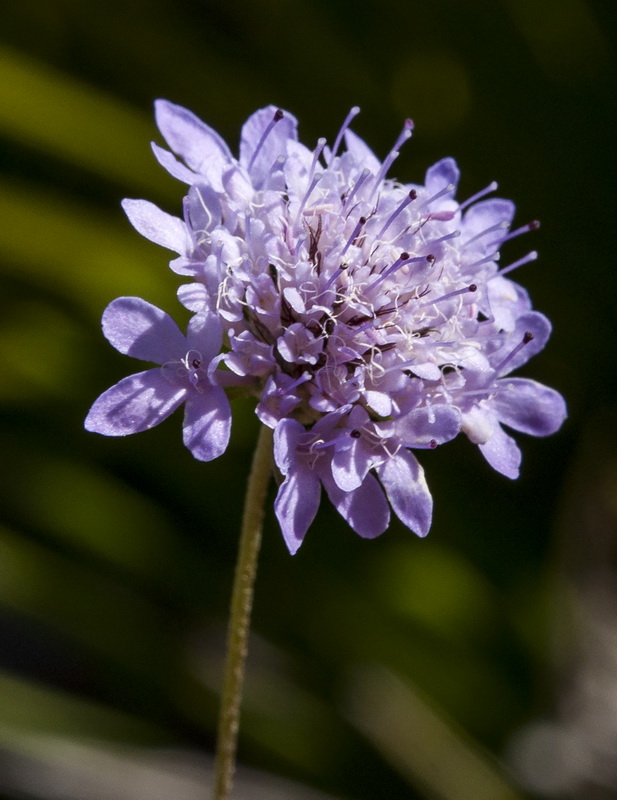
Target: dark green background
116,556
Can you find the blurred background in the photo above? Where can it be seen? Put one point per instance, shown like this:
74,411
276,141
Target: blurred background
478,663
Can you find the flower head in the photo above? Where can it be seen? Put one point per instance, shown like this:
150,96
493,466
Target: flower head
369,318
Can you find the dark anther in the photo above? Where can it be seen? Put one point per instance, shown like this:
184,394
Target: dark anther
355,434
358,319
329,326
278,114
362,220
527,337
431,258
196,363
404,256
425,331
432,444
472,287
534,225
413,194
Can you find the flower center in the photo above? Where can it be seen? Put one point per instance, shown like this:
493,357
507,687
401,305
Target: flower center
188,368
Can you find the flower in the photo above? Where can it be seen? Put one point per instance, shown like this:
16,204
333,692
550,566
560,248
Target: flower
141,401
368,317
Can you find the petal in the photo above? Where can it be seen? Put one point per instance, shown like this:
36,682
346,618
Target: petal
204,209
201,147
286,435
134,404
238,188
403,479
169,162
205,334
365,508
506,301
479,423
529,407
361,152
194,296
157,225
486,214
186,266
380,402
296,505
427,371
207,423
350,466
422,426
141,330
502,453
273,146
441,174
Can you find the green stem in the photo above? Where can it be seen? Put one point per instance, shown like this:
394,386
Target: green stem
240,614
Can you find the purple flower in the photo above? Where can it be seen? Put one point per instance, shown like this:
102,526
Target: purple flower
141,401
369,318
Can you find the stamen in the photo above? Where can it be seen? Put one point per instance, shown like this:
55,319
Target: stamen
499,226
320,443
339,137
471,288
277,117
312,185
354,235
192,359
485,260
335,275
387,163
411,196
404,135
444,238
403,259
431,445
278,164
532,256
370,324
306,376
446,190
321,143
528,337
492,187
531,226
363,176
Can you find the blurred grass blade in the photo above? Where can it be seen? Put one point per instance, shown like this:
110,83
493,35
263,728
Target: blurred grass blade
41,107
425,748
29,709
77,251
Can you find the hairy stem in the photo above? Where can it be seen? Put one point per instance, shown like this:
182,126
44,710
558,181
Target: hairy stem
240,614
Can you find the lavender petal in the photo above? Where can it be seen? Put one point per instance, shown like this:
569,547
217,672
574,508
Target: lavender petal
135,404
141,330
